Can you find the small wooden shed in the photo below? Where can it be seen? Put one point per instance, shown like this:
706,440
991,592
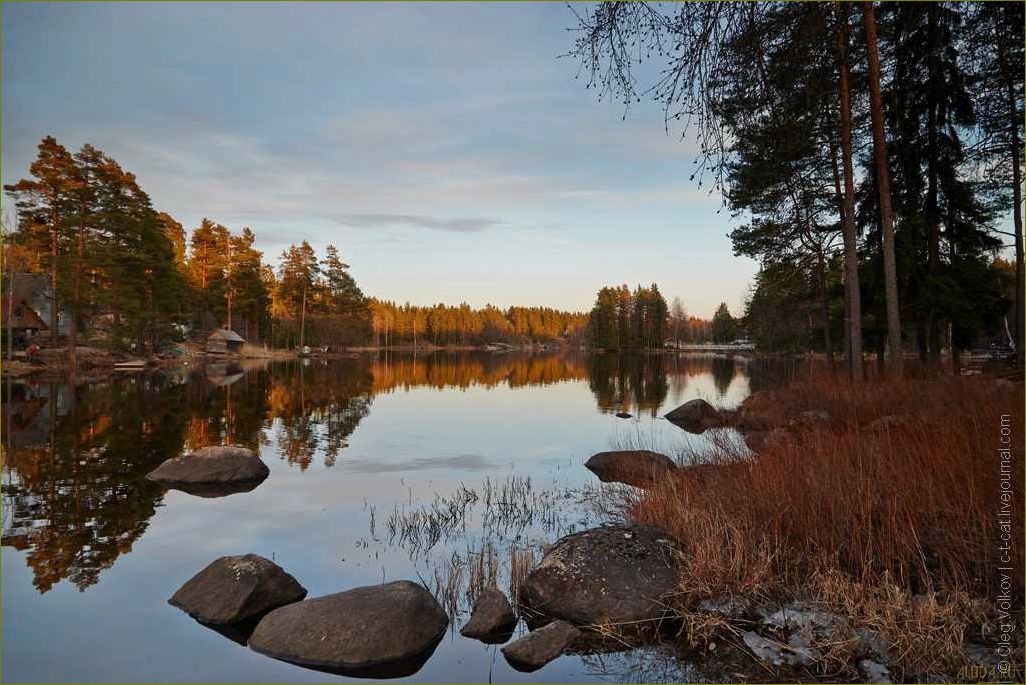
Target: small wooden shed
224,340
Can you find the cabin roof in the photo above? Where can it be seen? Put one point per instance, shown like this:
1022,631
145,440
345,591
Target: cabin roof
27,286
227,335
23,315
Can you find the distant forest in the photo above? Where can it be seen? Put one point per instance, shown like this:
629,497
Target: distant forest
127,274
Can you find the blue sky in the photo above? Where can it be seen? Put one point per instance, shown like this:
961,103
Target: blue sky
446,149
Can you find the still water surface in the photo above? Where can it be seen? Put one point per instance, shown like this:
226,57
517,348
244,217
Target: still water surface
436,468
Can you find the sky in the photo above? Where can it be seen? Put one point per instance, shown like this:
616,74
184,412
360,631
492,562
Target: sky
446,149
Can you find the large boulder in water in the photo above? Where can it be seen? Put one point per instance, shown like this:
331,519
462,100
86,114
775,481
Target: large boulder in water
633,467
492,619
541,646
212,471
375,631
612,574
237,589
694,416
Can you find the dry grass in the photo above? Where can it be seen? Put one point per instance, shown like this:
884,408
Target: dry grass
871,520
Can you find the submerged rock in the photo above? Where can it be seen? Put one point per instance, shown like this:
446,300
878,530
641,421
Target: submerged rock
386,630
492,619
541,646
612,574
694,416
633,467
212,471
237,589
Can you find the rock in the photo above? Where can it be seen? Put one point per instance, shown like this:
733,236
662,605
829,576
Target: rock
372,631
728,607
611,574
622,415
633,467
764,649
797,652
694,416
237,589
777,437
750,421
875,671
887,422
799,616
810,418
492,619
980,655
541,646
804,653
756,439
212,471
871,643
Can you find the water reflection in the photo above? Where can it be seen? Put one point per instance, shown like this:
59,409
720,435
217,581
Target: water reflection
74,493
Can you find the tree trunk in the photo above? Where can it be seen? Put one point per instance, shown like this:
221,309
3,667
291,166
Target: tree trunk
851,266
825,304
846,328
302,324
10,312
1020,319
53,277
932,213
884,189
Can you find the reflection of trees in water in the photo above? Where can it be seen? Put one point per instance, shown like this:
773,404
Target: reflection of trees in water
77,500
723,370
318,407
462,370
628,381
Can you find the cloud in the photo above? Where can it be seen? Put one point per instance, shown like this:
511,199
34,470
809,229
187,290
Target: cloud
462,225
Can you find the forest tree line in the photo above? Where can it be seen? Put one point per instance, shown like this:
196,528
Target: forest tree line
871,155
132,277
441,324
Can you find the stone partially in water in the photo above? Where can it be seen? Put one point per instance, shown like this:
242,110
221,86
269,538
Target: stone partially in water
622,415
492,619
386,630
237,589
633,467
694,416
212,471
613,574
541,646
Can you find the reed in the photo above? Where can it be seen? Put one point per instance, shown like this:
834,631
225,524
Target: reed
877,519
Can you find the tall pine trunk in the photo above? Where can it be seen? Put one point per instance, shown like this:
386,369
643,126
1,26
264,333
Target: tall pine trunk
10,312
828,342
1020,317
883,183
53,275
851,266
302,323
932,209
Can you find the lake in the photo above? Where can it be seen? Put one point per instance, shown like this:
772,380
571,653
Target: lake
446,469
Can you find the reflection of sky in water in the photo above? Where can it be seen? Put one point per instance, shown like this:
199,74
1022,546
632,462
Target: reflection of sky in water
417,442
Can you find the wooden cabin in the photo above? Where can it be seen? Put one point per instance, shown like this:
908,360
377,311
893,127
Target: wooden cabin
223,341
21,320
